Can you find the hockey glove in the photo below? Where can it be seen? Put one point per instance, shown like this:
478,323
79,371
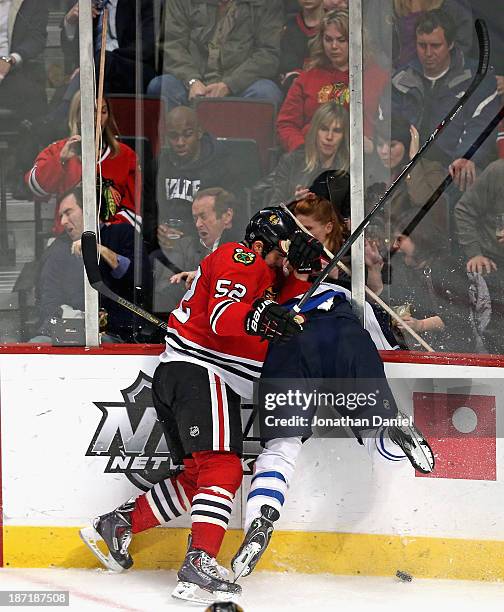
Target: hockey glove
272,322
304,253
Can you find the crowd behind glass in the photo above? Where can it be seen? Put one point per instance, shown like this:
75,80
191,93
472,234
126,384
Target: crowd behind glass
214,109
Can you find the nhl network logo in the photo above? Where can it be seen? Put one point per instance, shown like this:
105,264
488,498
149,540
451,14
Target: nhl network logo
131,436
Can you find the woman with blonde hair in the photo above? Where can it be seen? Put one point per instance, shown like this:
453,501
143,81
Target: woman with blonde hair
58,168
325,80
327,147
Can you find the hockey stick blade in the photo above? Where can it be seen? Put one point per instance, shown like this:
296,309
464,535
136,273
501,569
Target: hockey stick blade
90,258
484,57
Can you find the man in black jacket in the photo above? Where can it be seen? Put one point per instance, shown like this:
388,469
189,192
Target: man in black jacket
192,160
23,34
121,60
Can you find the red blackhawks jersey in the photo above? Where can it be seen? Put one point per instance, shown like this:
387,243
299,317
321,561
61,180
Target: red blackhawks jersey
208,327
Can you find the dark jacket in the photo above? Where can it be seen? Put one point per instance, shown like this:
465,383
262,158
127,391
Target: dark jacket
251,51
476,211
178,181
425,106
121,62
29,34
280,185
294,45
61,280
439,288
28,39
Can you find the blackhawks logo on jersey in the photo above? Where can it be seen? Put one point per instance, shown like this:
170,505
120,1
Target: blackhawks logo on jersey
243,257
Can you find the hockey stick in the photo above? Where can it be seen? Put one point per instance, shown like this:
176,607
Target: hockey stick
484,54
369,291
101,78
90,258
449,179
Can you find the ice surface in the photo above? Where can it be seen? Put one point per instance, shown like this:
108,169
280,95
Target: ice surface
149,591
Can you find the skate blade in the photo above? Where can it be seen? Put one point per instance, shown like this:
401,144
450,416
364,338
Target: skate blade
188,591
241,565
423,459
91,537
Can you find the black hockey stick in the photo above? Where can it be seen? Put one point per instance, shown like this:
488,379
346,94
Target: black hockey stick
484,55
449,179
90,258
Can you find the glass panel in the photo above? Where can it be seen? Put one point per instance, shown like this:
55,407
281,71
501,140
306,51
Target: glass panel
255,127
432,56
33,73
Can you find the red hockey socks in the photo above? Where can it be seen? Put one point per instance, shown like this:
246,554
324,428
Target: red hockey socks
219,477
166,500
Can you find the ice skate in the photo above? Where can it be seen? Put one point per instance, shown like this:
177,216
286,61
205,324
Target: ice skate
114,529
414,445
201,581
255,543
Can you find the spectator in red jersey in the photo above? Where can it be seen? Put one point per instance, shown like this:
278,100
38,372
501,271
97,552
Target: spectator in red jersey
58,168
325,80
299,30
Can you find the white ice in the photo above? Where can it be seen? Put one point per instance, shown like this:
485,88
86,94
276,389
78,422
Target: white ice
149,591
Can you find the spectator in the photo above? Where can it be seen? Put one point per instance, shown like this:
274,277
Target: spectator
426,90
23,34
217,49
58,168
396,144
192,160
121,60
213,212
325,80
327,147
321,219
62,274
432,286
479,216
393,34
299,30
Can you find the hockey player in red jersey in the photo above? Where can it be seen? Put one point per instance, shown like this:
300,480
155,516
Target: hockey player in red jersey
214,352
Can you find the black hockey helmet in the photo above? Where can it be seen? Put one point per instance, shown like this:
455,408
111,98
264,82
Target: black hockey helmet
224,606
334,185
270,225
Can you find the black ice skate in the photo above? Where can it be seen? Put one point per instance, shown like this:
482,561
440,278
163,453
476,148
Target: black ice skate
114,529
413,444
255,543
200,571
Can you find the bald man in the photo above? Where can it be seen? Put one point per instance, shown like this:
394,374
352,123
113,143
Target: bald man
190,160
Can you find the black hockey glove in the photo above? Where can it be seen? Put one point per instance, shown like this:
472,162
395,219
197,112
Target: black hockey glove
272,322
304,253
